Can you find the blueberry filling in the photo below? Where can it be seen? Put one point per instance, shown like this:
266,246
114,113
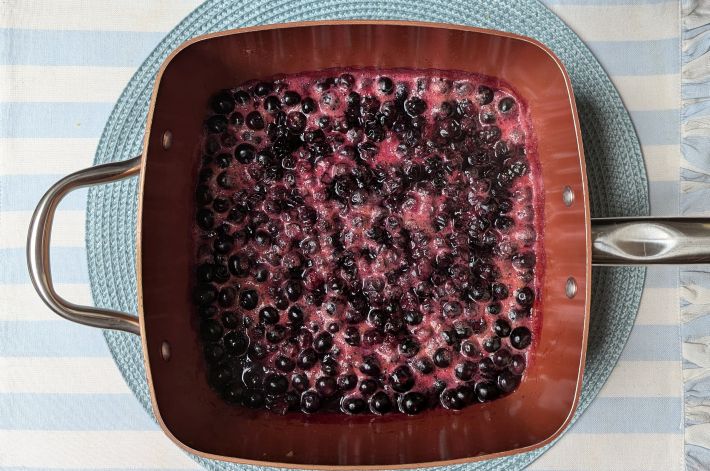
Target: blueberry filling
366,242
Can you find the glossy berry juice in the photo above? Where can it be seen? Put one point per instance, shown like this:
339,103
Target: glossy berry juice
367,241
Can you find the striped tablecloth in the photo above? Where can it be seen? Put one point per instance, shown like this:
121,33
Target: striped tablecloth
63,404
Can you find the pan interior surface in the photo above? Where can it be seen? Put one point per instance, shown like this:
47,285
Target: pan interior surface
199,420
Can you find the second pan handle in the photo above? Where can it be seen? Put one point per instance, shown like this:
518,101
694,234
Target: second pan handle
650,241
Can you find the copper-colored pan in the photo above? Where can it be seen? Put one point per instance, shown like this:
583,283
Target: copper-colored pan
191,415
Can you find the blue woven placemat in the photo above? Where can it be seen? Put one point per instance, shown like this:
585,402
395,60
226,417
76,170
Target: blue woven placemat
615,167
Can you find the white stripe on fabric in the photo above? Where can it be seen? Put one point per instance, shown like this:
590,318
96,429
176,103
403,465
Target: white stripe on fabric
659,306
60,376
620,22
67,231
32,83
639,379
635,91
662,162
20,302
91,450
106,15
613,452
35,156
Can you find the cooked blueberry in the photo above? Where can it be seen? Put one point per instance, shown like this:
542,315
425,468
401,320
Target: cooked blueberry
295,315
520,337
310,402
307,359
353,405
450,400
414,106
351,335
239,266
291,98
226,296
449,336
263,88
233,393
223,244
217,124
370,367
494,309
333,327
368,386
452,309
486,367
487,391
255,121
309,105
207,311
485,95
507,381
380,403
300,382
385,85
272,104
210,330
501,358
213,352
326,386
501,328
205,272
408,347
223,102
347,382
524,296
499,291
323,342
236,119
276,334
402,379
220,375
284,364
205,218
329,366
204,294
203,194
248,299
524,260
236,343
220,205
465,370
225,181
442,357
413,317
506,104
424,365
517,364
241,97
491,344
470,349
413,403
244,153
296,122
275,384
479,291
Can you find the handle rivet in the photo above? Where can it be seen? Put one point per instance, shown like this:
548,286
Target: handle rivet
571,287
567,196
165,351
167,140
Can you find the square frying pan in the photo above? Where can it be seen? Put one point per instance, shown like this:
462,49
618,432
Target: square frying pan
199,421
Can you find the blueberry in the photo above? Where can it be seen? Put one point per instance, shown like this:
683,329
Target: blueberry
368,386
263,88
236,343
347,382
501,358
223,244
449,336
494,309
402,379
486,367
255,121
351,335
248,299
284,364
300,382
217,124
503,223
310,402
506,104
323,342
463,330
479,291
220,375
486,391
220,205
414,106
517,364
211,330
203,194
244,153
295,315
296,122
239,266
233,393
370,367
205,272
413,403
309,105
413,317
205,219
408,347
524,296
213,352
291,98
484,95
353,405
204,294
499,291
452,309
442,357
225,181
261,273
450,400
276,334
280,301
380,403
520,337
307,359
333,327
424,366
272,104
524,260
470,349
275,384
465,370
385,85
226,296
501,328
293,290
491,344
223,102
507,381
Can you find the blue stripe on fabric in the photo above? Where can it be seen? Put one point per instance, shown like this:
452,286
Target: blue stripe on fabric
653,343
664,197
605,2
86,412
631,415
72,120
97,48
58,338
68,265
660,276
638,57
698,327
658,127
23,192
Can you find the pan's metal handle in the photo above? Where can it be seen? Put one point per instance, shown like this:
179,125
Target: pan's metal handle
650,241
38,239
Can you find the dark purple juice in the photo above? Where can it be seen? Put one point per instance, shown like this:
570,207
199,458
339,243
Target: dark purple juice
367,241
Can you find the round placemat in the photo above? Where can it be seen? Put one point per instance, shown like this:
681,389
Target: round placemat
615,168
